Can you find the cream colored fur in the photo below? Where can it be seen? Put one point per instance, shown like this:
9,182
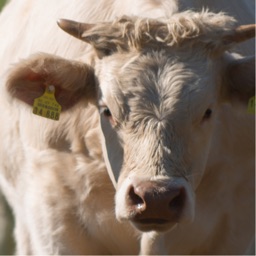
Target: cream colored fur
54,174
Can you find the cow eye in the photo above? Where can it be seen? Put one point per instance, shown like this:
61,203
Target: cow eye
107,112
104,110
207,114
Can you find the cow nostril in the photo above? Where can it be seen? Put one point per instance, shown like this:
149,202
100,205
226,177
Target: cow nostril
135,199
152,202
177,202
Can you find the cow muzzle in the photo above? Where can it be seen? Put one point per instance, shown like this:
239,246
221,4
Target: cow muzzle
156,205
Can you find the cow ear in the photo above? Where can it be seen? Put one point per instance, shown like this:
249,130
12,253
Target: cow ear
239,80
73,81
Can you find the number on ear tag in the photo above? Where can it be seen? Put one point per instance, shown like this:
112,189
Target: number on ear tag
46,105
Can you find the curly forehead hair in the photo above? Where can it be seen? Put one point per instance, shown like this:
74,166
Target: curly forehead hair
134,32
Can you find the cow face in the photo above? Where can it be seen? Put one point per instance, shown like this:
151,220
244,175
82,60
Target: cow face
159,106
158,87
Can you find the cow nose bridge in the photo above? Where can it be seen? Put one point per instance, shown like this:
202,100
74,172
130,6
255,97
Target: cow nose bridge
150,202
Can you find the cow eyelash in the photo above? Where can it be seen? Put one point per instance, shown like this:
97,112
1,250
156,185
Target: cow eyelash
207,114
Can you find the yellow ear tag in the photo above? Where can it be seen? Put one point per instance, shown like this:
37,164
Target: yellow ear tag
46,105
251,105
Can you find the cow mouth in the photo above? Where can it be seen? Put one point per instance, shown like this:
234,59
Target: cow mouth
152,224
151,221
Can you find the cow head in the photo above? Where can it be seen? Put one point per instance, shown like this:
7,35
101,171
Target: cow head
158,86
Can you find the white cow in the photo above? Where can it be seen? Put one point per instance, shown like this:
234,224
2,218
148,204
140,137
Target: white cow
153,103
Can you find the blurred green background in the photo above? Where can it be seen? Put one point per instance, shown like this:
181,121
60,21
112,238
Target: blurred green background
2,2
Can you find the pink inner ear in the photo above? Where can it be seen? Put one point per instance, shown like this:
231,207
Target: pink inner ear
65,98
32,86
33,77
29,82
29,94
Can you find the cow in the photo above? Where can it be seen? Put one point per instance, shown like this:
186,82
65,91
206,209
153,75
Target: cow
148,142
